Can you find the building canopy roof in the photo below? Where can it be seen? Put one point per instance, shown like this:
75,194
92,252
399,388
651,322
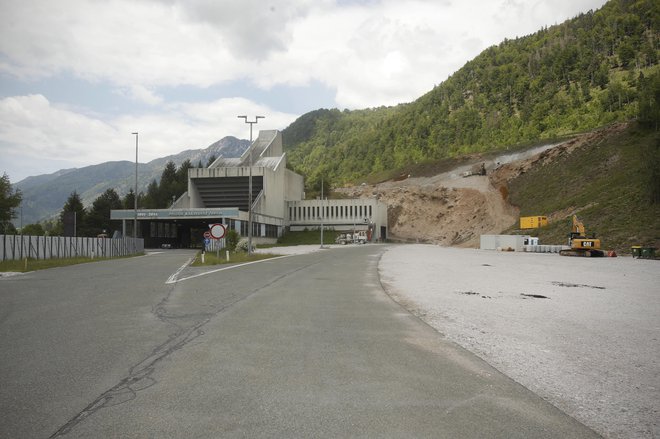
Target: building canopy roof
266,152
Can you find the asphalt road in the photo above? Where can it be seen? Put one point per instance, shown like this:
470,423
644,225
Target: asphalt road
302,346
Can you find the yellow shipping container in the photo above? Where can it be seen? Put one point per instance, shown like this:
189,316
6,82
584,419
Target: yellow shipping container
533,222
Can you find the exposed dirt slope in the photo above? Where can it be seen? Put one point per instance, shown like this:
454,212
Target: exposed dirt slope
451,209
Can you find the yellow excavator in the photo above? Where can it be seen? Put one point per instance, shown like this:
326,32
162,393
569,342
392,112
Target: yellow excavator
580,244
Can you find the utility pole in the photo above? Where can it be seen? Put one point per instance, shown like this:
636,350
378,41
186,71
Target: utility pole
322,213
136,184
256,120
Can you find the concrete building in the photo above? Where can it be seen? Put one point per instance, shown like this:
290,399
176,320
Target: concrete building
503,242
220,194
341,215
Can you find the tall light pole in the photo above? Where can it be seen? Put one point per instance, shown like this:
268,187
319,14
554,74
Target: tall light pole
135,195
256,120
322,212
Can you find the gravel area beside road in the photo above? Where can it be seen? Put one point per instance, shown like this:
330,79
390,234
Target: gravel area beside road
582,333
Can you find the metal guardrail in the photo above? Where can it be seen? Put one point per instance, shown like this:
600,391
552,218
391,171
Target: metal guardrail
17,247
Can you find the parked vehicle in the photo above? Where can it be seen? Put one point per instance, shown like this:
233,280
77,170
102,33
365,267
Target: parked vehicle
580,244
360,237
352,238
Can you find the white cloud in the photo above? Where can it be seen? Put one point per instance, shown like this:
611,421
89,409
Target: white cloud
43,131
34,127
140,93
372,53
394,51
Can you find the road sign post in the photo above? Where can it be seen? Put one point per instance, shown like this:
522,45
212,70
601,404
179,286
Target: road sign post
217,232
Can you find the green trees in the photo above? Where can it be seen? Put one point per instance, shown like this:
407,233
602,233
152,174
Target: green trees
10,199
232,239
128,202
88,222
649,100
73,216
563,79
98,218
33,230
317,183
181,178
173,183
167,187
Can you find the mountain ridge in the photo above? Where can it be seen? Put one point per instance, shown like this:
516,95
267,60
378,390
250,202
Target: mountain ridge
45,194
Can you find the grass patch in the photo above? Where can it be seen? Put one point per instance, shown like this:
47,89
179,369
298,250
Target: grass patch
211,258
607,185
21,266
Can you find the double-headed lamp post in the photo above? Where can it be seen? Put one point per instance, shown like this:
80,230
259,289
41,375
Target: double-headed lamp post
135,195
256,119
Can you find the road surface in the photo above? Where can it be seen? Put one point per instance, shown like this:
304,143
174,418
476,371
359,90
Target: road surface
300,346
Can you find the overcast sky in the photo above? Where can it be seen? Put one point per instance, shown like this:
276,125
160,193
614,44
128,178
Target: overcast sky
78,76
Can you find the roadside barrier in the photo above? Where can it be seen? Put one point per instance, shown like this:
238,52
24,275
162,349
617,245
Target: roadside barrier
544,248
17,247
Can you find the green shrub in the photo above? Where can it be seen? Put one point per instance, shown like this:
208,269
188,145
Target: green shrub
232,239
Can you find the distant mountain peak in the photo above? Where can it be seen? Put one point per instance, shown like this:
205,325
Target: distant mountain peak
44,195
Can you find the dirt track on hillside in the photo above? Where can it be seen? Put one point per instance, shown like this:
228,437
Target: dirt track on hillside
452,210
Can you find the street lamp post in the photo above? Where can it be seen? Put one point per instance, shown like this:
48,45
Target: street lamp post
322,212
256,120
135,195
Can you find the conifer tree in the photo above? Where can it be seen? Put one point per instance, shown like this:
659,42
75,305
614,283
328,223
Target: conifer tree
10,199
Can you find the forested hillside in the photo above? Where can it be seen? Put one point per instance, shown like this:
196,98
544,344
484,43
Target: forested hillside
594,69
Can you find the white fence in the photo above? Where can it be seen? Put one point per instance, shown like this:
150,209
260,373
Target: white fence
545,248
14,247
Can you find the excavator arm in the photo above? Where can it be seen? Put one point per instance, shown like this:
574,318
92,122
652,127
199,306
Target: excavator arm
578,227
579,243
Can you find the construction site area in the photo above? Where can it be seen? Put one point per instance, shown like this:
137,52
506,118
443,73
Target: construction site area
454,203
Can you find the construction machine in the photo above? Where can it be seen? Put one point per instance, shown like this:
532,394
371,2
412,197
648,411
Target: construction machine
580,244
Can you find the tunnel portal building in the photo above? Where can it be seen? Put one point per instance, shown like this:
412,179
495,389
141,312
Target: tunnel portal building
220,194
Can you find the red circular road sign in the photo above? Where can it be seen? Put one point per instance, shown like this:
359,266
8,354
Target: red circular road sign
207,234
217,231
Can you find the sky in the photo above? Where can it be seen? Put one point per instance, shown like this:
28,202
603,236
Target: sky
77,77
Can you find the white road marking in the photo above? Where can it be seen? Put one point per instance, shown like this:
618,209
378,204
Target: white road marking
173,278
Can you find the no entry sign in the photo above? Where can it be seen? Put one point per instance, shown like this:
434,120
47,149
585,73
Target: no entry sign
217,231
207,235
